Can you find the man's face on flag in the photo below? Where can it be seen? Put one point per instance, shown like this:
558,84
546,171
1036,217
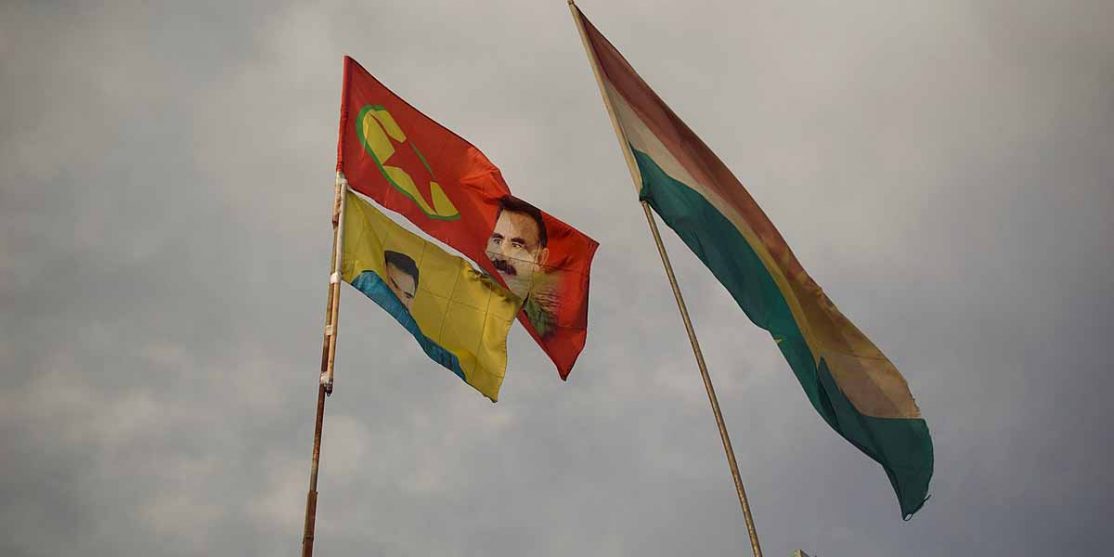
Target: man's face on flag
515,248
402,284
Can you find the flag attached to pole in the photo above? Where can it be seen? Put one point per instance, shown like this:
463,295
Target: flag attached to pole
410,164
459,316
856,389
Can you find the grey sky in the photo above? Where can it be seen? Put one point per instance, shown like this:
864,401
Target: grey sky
944,170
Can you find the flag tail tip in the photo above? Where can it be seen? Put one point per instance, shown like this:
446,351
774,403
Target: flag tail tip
909,516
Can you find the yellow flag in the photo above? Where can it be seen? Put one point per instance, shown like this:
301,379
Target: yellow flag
458,315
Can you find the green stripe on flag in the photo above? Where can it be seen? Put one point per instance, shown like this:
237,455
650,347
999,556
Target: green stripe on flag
901,446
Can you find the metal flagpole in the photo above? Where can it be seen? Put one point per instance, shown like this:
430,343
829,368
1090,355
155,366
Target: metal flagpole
328,355
636,177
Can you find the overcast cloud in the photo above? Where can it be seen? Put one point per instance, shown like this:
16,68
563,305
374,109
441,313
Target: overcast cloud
943,169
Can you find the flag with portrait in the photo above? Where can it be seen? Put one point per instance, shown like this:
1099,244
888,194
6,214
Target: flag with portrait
412,165
459,316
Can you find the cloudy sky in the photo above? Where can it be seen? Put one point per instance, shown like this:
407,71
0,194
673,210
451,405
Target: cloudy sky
943,169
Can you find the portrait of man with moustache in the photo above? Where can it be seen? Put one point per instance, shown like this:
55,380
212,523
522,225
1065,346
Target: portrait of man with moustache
517,248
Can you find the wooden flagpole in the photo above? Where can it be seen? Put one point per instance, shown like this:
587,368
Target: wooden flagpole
328,356
748,519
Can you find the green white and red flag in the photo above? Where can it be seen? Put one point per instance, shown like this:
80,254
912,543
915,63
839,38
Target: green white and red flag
848,380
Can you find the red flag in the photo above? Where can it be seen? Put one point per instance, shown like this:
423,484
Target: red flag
412,165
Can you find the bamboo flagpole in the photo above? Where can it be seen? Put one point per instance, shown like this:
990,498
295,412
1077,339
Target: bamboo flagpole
334,284
328,356
748,518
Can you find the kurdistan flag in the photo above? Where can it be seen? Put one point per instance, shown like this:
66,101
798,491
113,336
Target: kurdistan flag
853,386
